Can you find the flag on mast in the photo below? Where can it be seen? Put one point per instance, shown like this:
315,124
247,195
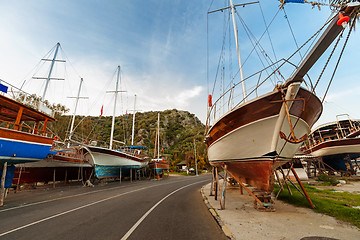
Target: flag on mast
102,110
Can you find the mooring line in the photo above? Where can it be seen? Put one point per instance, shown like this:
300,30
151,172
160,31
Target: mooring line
132,229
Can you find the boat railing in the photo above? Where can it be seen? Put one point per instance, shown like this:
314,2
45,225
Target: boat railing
24,128
132,152
340,133
226,101
71,154
23,97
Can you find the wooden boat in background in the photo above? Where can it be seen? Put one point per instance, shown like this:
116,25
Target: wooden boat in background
257,136
337,143
109,162
63,164
160,164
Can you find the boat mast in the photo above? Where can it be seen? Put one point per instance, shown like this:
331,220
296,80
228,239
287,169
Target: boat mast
51,69
158,137
133,124
76,104
238,50
113,117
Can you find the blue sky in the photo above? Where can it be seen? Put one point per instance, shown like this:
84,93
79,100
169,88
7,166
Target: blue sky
161,46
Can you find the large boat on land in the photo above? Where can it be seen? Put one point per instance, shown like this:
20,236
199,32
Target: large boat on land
256,136
109,162
23,134
337,143
160,164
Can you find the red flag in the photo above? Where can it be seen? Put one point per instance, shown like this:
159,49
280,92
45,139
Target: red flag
102,110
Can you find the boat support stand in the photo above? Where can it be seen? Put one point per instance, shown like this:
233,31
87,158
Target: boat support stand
286,178
264,205
2,192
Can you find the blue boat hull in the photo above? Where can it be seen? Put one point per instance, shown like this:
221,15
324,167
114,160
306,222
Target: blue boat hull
15,151
10,171
112,171
160,170
341,162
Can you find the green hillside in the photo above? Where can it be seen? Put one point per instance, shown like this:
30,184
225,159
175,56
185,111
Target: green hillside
178,129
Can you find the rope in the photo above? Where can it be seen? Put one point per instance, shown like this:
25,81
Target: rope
337,63
327,62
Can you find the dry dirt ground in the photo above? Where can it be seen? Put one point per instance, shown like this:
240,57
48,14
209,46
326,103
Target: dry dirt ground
287,222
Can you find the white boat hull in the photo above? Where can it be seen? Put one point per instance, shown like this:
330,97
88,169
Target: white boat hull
253,141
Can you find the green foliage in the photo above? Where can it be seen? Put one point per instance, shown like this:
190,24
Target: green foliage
327,180
337,204
178,129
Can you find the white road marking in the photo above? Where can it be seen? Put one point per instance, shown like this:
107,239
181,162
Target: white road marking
84,206
151,209
55,199
71,196
69,211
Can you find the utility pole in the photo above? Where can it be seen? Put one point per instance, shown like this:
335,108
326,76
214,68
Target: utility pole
196,169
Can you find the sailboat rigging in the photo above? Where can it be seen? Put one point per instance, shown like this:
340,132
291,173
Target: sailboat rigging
110,162
159,164
258,135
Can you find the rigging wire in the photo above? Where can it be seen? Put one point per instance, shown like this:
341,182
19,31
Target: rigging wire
207,53
337,63
262,35
68,60
287,60
261,49
220,58
268,33
291,30
327,62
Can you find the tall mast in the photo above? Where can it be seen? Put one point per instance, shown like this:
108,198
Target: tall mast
113,117
238,51
51,69
158,137
76,104
133,123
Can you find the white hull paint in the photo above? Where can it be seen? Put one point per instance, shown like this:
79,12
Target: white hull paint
252,141
103,159
326,151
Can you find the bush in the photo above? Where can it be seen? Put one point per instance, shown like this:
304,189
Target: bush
328,180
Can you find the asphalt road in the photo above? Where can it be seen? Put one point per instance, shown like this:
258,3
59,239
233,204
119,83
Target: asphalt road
167,209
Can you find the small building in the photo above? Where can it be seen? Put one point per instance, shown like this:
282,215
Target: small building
182,166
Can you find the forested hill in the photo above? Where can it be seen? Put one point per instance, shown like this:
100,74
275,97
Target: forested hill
178,129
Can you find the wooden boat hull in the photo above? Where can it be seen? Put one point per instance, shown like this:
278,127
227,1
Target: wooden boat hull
158,166
107,163
336,154
46,174
246,139
334,147
21,147
66,165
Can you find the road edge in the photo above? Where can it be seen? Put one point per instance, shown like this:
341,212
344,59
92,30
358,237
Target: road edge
215,215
